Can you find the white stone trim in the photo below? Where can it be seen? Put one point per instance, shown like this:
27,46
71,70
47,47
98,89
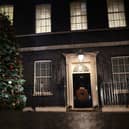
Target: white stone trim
71,46
90,61
50,109
115,109
28,109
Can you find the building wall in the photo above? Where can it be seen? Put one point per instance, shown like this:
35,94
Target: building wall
58,78
98,32
104,72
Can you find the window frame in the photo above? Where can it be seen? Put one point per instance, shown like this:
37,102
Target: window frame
116,16
7,13
42,93
83,24
37,19
119,65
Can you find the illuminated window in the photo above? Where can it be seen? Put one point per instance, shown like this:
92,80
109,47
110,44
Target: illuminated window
120,68
43,18
42,78
116,13
78,16
8,11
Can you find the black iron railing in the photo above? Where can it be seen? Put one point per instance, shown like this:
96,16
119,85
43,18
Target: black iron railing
114,93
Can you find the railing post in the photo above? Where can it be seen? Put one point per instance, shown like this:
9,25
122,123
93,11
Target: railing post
101,94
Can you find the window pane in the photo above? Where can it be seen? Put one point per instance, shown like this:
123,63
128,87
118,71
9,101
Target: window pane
115,69
83,9
121,61
73,20
83,19
115,7
84,26
121,6
122,78
121,68
110,17
116,78
127,67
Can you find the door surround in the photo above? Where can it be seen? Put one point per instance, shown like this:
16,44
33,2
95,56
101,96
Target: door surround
89,62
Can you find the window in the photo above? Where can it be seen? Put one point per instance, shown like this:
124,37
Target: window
43,18
116,13
120,68
78,16
8,11
42,78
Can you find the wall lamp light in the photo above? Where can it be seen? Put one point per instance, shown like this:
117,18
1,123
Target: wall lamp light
80,56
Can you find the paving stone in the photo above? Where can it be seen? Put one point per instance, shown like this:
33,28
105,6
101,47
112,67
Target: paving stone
63,120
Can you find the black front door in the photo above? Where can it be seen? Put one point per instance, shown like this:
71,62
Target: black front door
82,90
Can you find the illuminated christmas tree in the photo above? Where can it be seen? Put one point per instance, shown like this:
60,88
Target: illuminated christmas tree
11,79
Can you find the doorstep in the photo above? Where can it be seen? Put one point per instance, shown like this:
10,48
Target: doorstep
50,109
83,109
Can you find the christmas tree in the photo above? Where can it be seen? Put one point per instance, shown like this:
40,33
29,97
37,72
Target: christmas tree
11,79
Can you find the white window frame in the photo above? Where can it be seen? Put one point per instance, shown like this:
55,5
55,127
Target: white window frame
78,16
42,92
116,13
7,10
122,68
43,22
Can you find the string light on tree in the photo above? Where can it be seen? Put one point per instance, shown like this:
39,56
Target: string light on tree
10,82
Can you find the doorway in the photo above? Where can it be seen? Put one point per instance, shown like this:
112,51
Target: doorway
81,81
82,90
